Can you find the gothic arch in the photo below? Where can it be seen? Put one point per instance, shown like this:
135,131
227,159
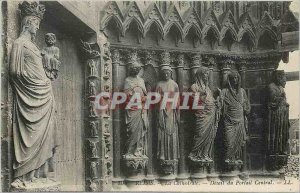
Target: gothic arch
155,22
190,26
108,19
213,28
267,39
127,23
272,33
225,30
175,24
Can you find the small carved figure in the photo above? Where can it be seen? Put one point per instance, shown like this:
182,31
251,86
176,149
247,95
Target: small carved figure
107,144
235,108
50,55
168,117
94,149
109,169
278,117
136,117
94,130
106,50
92,88
94,170
206,119
106,69
92,112
93,67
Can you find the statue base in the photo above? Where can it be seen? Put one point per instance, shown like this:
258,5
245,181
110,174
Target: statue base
275,163
168,169
135,167
200,168
39,185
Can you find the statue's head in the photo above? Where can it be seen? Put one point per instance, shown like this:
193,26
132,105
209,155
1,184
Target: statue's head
234,79
30,24
31,13
50,39
166,72
202,74
134,68
280,78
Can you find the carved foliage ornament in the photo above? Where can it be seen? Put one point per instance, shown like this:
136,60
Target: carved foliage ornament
165,58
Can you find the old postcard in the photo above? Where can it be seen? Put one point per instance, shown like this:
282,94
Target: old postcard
185,96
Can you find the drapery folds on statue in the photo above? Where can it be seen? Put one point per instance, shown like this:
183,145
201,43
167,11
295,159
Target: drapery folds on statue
234,108
277,133
33,113
168,121
207,118
135,117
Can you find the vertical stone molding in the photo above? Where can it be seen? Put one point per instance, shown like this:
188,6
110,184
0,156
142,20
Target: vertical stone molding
93,148
115,56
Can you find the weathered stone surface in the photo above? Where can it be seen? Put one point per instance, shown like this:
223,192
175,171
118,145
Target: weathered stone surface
247,34
40,185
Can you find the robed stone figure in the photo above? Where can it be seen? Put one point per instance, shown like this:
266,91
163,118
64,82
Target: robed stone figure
33,110
207,117
235,108
168,118
135,116
277,134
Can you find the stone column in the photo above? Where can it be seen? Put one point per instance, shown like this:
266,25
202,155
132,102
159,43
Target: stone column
151,116
105,117
196,64
116,118
242,71
225,69
210,64
182,162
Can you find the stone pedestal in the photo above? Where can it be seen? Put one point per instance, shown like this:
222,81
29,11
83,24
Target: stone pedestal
135,168
168,170
232,170
200,169
39,185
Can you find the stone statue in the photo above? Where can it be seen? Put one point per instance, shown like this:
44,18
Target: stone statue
92,112
94,130
168,121
34,122
207,118
93,68
51,56
278,118
136,117
235,108
92,88
94,149
94,169
106,50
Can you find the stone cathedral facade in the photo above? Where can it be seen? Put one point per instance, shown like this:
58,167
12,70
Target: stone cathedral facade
86,47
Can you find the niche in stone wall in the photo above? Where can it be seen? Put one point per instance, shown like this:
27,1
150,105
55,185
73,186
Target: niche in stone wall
266,41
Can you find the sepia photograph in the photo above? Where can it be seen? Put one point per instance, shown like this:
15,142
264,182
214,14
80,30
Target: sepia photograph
161,96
